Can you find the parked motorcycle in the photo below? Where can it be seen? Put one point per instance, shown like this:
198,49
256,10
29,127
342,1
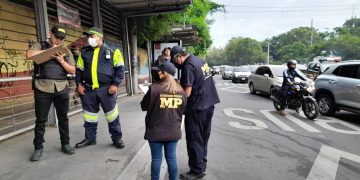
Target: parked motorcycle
299,95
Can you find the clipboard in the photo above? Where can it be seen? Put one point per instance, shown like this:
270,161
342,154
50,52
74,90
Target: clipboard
46,55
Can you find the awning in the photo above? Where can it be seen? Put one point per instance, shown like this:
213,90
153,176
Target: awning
187,34
141,7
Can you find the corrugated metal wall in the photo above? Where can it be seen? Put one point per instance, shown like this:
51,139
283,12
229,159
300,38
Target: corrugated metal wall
18,33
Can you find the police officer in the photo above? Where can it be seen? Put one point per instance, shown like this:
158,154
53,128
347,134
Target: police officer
289,76
50,85
200,88
99,72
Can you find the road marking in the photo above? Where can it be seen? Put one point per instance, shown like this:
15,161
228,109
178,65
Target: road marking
276,121
327,162
326,124
226,84
236,91
257,123
302,124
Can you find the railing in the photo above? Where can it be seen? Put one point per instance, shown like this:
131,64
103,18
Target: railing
17,111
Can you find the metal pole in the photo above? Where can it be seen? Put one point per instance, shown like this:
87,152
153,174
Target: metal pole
268,54
95,5
312,33
128,56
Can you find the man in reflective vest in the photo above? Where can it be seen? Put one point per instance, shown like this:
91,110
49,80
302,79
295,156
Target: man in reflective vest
50,85
99,72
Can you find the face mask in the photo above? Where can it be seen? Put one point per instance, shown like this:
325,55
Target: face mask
179,66
92,42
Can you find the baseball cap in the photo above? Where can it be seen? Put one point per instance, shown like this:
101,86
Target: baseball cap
176,50
167,67
58,32
94,30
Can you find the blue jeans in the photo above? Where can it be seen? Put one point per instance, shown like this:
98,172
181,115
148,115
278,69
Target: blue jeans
156,158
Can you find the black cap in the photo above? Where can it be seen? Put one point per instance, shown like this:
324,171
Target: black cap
176,50
167,66
58,32
94,30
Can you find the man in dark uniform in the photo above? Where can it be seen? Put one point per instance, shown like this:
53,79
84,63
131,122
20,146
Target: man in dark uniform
50,86
99,72
200,88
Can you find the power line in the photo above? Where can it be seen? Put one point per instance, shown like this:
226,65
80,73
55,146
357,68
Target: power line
282,11
291,16
279,7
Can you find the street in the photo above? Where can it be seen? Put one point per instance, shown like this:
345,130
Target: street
250,140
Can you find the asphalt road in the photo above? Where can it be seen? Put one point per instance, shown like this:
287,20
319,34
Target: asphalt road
250,140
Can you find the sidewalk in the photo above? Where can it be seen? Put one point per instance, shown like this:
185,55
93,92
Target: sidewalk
102,161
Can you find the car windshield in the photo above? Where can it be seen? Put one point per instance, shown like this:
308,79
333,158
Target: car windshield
326,66
229,68
241,69
278,70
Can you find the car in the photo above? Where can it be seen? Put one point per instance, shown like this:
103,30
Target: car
265,77
241,74
338,88
215,70
315,69
227,73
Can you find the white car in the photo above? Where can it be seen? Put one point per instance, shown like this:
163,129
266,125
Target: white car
265,77
227,73
241,74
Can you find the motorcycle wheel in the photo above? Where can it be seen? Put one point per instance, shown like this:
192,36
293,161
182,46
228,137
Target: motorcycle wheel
276,105
310,108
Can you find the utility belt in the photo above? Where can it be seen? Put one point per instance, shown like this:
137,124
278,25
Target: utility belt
89,85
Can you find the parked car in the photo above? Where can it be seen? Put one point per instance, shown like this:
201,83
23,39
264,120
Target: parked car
265,77
338,88
241,74
227,73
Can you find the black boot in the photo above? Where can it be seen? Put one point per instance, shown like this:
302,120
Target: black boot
36,155
119,144
85,143
67,149
191,176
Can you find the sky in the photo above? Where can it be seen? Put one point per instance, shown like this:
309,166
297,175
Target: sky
261,19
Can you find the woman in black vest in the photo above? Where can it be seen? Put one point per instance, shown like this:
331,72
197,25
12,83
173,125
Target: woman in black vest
165,103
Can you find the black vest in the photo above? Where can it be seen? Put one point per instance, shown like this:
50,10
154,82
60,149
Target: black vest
51,69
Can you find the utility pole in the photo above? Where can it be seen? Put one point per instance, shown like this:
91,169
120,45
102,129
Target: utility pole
312,32
268,54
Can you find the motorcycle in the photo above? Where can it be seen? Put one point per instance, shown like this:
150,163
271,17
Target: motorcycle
299,95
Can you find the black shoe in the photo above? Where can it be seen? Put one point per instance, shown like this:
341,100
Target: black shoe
190,176
85,143
119,144
67,149
36,155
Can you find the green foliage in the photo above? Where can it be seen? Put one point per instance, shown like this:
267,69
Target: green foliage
151,28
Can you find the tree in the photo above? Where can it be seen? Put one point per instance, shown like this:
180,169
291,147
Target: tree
151,28
244,51
216,56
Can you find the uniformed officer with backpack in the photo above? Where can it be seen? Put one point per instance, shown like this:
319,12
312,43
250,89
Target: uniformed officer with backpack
99,72
50,85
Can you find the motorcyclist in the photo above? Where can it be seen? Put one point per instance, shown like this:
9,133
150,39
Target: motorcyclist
289,76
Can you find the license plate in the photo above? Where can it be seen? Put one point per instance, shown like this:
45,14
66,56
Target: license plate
242,78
